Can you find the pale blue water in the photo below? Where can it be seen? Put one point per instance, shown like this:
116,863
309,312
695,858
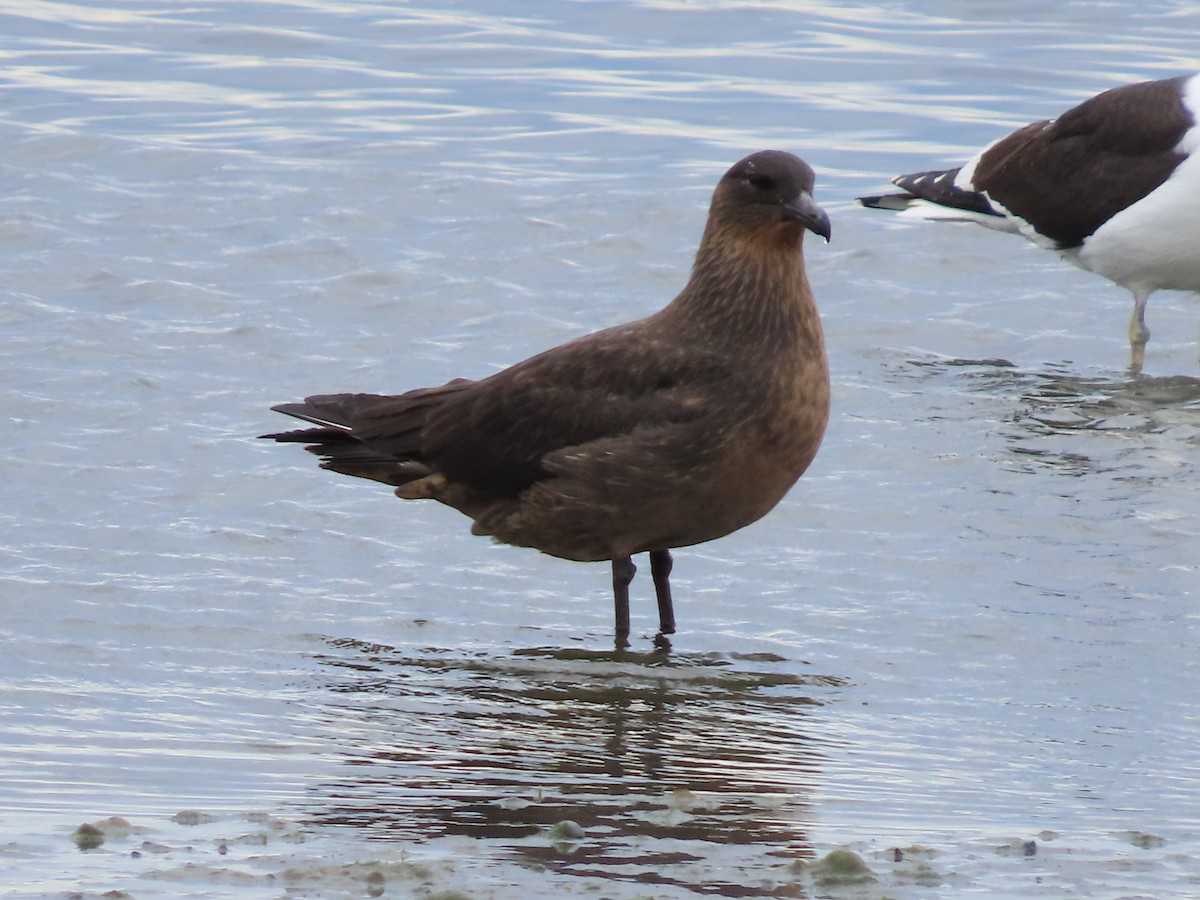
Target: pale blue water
973,624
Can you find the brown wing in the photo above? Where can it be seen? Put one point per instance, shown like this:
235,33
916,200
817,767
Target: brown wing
1070,176
495,435
492,435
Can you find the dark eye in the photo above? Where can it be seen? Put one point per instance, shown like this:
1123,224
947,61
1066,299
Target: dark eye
760,182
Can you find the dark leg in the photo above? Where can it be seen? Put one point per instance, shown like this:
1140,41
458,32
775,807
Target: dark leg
623,571
660,571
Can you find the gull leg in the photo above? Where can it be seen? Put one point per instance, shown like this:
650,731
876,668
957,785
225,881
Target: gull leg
1139,334
623,571
660,571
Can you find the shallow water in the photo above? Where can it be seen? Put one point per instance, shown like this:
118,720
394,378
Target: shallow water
971,626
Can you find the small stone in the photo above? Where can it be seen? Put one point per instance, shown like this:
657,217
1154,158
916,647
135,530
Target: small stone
376,884
192,817
1143,840
117,827
840,867
566,830
88,837
1017,847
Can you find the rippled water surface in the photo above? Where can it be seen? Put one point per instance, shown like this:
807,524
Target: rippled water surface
964,647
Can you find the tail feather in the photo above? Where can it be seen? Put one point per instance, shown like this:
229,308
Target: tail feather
937,188
307,435
895,202
367,435
329,410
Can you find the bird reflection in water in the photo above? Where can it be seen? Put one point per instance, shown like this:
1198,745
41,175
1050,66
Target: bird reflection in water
1058,420
659,762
